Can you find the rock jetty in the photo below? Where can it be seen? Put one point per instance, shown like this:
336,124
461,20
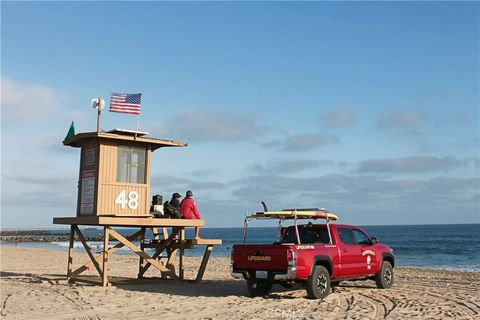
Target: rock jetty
40,236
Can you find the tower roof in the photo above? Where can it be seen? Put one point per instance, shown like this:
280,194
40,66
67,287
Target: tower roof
81,138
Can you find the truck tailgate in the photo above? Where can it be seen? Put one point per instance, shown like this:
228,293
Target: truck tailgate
260,257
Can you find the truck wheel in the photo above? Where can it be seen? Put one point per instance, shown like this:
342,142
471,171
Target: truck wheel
318,285
384,278
259,288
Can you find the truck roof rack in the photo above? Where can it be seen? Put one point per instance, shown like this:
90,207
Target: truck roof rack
294,214
306,209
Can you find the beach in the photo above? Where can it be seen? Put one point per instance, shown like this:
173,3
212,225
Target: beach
34,286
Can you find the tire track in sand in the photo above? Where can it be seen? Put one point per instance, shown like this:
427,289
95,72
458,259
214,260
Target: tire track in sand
384,303
468,307
76,303
4,305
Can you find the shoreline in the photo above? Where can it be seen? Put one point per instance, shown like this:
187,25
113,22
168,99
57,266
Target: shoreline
43,245
34,286
45,238
43,229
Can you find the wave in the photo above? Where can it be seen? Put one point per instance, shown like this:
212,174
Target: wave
445,268
95,245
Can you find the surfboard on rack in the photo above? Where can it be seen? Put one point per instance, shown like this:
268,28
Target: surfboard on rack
300,214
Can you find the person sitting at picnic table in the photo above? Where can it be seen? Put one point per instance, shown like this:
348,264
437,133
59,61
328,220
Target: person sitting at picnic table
190,211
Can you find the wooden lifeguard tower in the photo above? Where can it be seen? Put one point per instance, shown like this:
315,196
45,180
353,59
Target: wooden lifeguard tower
114,191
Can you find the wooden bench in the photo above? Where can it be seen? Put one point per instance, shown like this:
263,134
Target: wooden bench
188,244
203,242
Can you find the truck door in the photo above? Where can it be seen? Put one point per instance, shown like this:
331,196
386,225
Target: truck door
368,255
351,260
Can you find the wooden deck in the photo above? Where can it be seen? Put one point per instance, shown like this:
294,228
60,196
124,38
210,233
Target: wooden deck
165,243
128,222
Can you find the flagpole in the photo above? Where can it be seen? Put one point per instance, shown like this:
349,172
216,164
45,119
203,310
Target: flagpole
98,103
98,119
138,117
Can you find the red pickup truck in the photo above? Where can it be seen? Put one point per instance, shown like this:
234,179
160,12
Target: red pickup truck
317,255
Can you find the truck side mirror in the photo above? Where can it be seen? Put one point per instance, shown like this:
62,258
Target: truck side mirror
374,240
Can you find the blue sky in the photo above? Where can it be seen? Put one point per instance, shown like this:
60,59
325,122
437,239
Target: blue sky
370,109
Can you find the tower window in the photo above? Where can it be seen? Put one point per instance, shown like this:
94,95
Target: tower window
131,164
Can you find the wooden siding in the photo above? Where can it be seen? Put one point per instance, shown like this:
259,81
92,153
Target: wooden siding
109,188
147,168
106,189
109,192
108,162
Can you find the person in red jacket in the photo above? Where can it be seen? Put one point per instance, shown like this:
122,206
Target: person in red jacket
190,211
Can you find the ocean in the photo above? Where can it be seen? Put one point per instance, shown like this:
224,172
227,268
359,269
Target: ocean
447,247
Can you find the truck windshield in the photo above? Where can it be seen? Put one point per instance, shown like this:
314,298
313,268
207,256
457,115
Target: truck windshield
308,234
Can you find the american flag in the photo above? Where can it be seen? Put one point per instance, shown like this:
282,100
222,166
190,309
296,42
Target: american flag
125,103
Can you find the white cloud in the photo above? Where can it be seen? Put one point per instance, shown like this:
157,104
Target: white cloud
413,164
289,166
49,179
340,118
402,119
207,125
26,101
458,119
169,181
362,193
302,142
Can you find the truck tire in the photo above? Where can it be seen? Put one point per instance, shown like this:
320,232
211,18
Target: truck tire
384,278
318,285
258,288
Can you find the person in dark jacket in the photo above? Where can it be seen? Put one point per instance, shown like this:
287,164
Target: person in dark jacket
190,211
175,201
172,208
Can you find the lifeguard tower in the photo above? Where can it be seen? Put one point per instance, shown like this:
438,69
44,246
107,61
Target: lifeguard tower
114,178
114,191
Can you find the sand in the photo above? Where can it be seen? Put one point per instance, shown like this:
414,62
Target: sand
33,286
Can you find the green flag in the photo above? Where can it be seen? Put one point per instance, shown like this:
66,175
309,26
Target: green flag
71,132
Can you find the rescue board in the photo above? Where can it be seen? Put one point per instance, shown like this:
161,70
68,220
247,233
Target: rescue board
290,214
